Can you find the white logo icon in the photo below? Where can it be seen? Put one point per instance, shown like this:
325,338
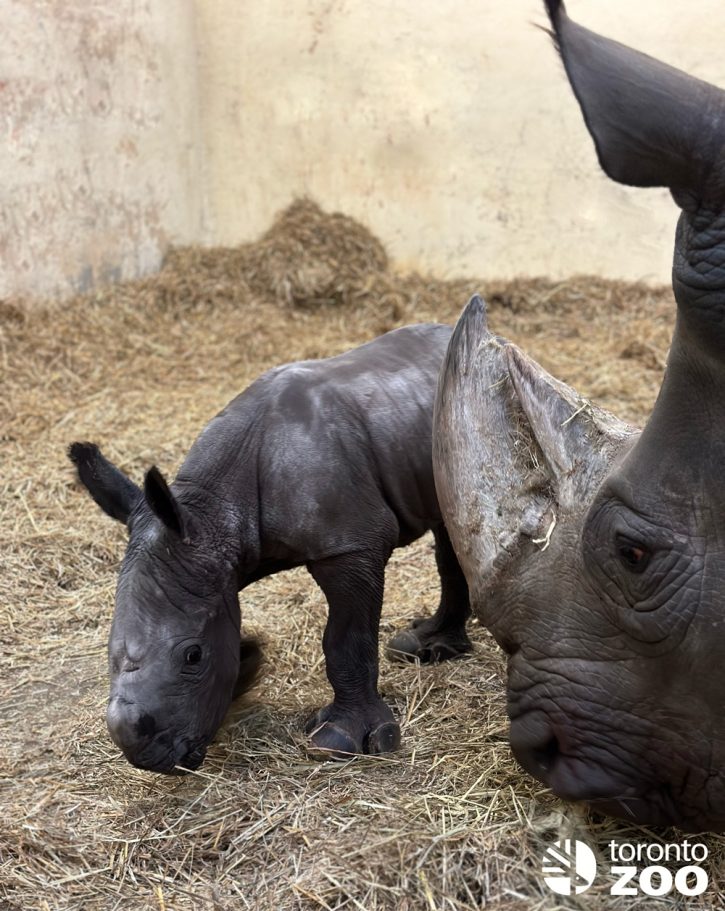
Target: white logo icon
569,867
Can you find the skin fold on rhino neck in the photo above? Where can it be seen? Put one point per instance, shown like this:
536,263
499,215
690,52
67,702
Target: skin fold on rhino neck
698,278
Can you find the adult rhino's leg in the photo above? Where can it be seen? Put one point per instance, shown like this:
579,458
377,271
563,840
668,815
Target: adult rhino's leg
357,721
442,636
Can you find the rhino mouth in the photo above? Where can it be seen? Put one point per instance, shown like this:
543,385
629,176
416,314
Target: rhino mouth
659,807
655,808
544,751
193,758
186,759
178,762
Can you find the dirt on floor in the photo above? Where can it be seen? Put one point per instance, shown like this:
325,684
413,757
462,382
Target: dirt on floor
449,822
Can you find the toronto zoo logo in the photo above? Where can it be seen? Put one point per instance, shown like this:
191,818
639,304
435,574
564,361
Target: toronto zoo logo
570,867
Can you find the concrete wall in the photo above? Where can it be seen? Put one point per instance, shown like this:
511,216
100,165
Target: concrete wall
446,125
100,149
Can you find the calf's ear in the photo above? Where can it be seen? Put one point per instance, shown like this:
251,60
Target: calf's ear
116,494
164,504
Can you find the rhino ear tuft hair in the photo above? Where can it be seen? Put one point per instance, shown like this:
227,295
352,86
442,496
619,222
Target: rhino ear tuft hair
164,504
555,9
576,437
116,494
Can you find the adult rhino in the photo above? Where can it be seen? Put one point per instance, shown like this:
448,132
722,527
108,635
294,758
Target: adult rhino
325,464
596,554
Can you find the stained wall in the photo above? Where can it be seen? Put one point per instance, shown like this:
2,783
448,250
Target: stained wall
100,140
446,125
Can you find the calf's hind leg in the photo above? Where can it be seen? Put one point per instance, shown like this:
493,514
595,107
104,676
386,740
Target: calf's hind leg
357,720
442,636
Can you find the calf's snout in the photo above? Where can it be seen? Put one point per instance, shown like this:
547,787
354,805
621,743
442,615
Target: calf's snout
143,741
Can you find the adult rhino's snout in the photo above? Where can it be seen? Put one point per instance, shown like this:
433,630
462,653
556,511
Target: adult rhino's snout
552,755
144,742
545,753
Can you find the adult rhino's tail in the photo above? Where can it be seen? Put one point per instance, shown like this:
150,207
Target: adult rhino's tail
654,125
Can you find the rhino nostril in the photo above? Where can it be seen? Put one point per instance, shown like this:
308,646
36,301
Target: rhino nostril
545,756
146,725
509,646
129,725
535,745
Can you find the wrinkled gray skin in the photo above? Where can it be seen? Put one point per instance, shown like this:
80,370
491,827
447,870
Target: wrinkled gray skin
325,464
594,554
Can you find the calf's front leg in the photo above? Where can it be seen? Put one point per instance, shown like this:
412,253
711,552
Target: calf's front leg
357,720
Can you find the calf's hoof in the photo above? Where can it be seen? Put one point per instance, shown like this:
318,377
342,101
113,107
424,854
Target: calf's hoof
422,641
335,733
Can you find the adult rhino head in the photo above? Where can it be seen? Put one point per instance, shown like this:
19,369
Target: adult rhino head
175,661
593,553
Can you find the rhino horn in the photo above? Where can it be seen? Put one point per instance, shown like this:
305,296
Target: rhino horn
513,447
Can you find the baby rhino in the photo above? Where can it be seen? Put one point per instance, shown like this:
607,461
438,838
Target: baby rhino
324,464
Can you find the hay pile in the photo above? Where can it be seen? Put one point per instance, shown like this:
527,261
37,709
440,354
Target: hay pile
448,823
307,257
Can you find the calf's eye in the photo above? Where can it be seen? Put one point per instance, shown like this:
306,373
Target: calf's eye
192,655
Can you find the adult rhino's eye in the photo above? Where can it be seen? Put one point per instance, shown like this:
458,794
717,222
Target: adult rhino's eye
192,655
633,555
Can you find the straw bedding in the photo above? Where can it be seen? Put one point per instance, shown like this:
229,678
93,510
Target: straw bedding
449,822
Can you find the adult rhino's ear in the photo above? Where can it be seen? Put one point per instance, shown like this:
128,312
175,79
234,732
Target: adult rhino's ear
116,494
652,124
164,504
513,448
